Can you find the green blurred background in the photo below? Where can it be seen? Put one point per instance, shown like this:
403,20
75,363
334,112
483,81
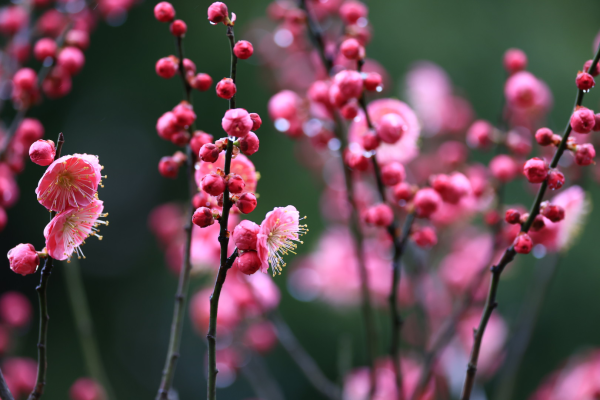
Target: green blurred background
112,112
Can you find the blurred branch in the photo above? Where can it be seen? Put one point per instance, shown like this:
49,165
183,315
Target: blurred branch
5,393
263,384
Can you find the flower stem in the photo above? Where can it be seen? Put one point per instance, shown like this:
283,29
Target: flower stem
84,325
41,289
509,255
5,393
184,275
226,263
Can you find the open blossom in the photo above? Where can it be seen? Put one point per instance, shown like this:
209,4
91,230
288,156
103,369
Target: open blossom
67,231
278,232
69,182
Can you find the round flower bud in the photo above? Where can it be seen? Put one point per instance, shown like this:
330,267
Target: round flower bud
256,121
425,237
523,244
249,144
479,134
71,59
226,88
370,141
42,152
30,130
349,83
87,389
15,311
503,167
180,138
584,81
209,153
584,154
351,11
164,12
25,79
213,184
583,120
248,262
349,111
245,235
588,64
78,38
198,140
535,170
235,184
351,49
168,167
184,112
44,48
319,92
515,60
203,217
392,174
556,179
373,81
544,136
246,203
379,215
512,216
23,259
391,127
217,12
356,161
201,82
237,122
178,28
243,49
426,202
553,213
166,67
538,223
403,192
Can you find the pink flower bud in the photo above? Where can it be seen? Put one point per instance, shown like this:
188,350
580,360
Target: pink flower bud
184,112
25,79
583,120
538,223
246,203
44,48
237,122
166,67
189,67
351,11
351,49
425,237
42,152
203,217
370,141
243,49
226,88
479,134
515,60
544,136
15,309
201,82
261,336
350,83
584,81
373,81
198,140
584,154
256,121
248,262
235,184
556,179
390,128
403,192
166,125
178,28
87,389
587,66
213,184
356,161
168,167
164,12
523,244
349,111
553,213
512,216
536,170
426,202
209,153
249,144
379,215
217,12
78,38
71,59
23,259
392,174
319,92
29,131
245,235
504,168
180,138
523,90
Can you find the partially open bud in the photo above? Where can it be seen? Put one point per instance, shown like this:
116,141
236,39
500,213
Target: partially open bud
535,170
237,122
213,184
584,154
248,262
245,235
42,152
552,212
583,120
556,179
523,244
217,12
23,259
246,203
256,121
203,217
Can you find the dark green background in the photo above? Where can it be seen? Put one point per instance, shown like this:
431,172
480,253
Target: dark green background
112,112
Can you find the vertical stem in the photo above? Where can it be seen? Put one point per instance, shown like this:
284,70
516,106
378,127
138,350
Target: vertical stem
226,263
5,393
184,275
85,326
41,289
